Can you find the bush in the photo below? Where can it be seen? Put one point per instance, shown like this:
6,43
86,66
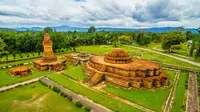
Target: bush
87,108
65,95
61,93
57,90
79,104
69,98
43,83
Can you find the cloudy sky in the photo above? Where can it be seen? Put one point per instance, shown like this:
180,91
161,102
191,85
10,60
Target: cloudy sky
100,13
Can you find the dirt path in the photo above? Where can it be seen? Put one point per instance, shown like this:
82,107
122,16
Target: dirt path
192,102
94,106
17,84
168,55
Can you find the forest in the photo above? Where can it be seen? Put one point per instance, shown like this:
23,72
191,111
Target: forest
15,42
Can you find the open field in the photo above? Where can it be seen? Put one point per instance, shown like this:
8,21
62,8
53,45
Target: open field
143,96
103,49
34,98
6,78
97,97
179,104
76,72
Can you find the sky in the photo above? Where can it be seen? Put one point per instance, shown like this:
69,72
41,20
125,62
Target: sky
100,13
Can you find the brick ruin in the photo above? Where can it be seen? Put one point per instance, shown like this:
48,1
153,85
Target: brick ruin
78,58
20,71
119,68
49,61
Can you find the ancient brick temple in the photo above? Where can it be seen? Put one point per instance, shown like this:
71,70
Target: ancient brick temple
79,58
119,68
20,70
49,61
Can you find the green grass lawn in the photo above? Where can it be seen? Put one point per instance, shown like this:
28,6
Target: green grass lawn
17,56
153,98
96,49
104,49
76,72
97,97
6,78
178,104
35,98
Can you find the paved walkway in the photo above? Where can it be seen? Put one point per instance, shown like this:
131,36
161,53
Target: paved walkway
168,55
192,102
95,107
22,83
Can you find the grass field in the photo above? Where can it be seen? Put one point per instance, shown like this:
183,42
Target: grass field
143,96
35,98
6,78
97,97
76,72
104,49
178,104
17,56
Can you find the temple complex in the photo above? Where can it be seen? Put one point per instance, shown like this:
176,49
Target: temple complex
49,61
20,70
119,68
79,58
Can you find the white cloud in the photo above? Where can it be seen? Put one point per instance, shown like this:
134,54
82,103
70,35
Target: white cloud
101,13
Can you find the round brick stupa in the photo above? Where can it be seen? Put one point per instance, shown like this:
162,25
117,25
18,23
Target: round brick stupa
49,61
121,69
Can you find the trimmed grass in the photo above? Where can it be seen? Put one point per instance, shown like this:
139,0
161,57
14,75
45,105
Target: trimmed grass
34,98
104,49
76,72
96,49
97,97
144,96
6,78
17,56
178,104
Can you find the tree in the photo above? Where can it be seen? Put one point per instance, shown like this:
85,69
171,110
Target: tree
92,29
143,38
2,45
48,29
171,39
188,35
195,48
181,28
198,29
125,39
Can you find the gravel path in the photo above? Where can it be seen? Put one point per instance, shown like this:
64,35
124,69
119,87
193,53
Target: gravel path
95,107
17,84
192,102
168,55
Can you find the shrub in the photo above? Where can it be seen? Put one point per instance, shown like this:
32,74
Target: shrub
61,93
87,108
43,83
57,90
69,98
79,104
65,95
